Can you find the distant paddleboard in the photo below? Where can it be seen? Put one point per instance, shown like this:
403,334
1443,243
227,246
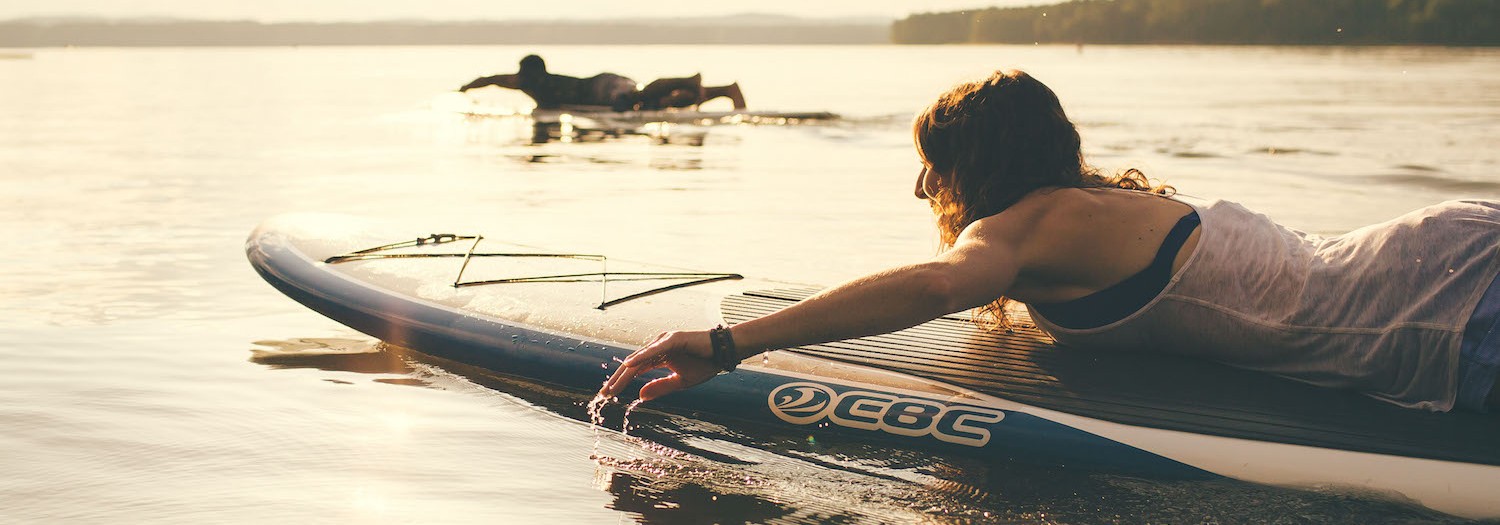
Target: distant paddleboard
603,116
564,318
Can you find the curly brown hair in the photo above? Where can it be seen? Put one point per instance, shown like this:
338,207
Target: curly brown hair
992,142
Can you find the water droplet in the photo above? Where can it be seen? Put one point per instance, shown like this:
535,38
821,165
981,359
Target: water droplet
625,420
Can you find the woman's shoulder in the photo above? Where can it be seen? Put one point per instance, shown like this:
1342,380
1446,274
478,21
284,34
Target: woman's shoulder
1042,213
1052,206
1083,216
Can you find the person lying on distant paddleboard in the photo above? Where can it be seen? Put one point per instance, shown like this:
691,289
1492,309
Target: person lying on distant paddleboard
1405,310
552,91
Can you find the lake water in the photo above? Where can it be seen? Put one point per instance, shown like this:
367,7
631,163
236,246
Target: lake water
149,375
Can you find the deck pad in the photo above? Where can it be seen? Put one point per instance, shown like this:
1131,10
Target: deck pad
1151,390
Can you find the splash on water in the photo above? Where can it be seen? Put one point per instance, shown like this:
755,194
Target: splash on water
625,420
596,420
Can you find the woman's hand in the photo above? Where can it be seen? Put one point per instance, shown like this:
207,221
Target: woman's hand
689,355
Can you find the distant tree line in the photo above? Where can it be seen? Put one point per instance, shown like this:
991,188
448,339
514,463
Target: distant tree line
1354,22
25,33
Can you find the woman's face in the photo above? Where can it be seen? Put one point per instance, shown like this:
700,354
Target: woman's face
927,182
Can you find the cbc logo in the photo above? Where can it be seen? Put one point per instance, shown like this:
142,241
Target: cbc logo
808,403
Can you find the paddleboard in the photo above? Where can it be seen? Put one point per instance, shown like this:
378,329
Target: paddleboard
566,318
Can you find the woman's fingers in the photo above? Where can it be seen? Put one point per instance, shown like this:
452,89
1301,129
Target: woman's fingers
688,373
672,350
662,386
622,376
648,357
627,373
652,350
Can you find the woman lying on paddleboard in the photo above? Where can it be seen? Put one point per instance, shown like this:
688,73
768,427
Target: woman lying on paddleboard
1405,311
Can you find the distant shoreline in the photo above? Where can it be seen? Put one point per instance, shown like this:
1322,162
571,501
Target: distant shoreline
189,33
1466,23
1008,26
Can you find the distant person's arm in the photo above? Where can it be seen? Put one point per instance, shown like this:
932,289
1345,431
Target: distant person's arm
505,81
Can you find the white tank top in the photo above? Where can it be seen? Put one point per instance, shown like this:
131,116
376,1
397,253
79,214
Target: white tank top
1380,309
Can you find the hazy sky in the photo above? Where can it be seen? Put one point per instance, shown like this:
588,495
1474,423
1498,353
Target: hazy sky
278,10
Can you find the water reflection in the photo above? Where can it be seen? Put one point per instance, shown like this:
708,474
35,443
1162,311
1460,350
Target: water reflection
659,133
334,354
524,131
654,500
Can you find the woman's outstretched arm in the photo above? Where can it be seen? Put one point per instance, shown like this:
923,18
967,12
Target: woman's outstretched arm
981,266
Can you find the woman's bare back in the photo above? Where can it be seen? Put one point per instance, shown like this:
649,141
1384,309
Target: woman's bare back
1088,239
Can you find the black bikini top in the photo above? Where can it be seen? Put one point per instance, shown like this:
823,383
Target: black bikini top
1125,297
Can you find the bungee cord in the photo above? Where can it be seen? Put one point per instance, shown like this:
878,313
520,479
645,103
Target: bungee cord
603,276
